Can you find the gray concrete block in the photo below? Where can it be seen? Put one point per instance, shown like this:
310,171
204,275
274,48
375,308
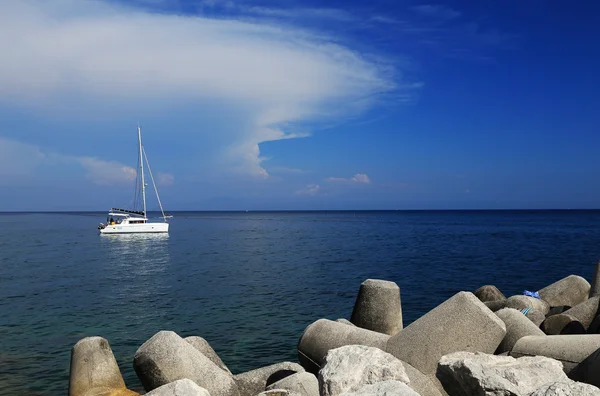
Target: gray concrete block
423,384
558,310
535,316
303,384
256,381
495,305
489,293
345,321
94,367
323,335
595,286
461,323
182,387
575,320
166,357
570,291
517,327
562,324
378,307
523,302
204,347
569,349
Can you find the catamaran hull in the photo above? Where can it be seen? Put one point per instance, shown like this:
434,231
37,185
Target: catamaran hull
147,228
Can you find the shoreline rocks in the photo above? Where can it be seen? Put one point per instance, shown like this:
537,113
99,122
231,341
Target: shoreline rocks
478,343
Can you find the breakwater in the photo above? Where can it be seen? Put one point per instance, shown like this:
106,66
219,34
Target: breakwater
477,342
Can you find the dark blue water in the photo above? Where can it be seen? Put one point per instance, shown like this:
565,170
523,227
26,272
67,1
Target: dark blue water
251,282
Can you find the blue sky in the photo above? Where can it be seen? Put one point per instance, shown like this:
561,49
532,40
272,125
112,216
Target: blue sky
300,104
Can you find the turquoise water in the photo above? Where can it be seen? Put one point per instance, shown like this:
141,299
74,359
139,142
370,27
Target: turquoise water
251,282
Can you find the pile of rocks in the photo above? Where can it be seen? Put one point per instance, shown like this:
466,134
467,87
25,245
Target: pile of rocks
479,343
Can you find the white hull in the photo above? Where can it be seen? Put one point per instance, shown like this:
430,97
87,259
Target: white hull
145,228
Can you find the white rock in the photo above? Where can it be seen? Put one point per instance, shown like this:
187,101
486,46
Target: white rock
349,368
385,388
570,388
182,387
479,374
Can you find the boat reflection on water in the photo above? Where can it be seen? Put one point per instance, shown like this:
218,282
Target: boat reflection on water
140,253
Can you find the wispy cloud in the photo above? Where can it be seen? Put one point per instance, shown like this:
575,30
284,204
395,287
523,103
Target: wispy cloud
21,161
360,178
310,189
270,74
165,179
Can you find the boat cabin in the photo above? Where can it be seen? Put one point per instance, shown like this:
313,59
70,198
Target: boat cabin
122,216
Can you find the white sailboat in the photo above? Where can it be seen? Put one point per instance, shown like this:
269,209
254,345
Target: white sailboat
125,221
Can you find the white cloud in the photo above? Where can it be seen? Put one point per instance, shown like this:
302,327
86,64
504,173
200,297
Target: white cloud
21,161
105,173
270,74
165,179
310,189
360,178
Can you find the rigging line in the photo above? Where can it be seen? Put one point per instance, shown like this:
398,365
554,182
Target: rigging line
154,184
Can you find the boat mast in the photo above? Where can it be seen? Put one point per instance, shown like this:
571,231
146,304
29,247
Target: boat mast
142,169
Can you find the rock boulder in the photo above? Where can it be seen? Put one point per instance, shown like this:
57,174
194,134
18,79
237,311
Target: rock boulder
477,374
349,368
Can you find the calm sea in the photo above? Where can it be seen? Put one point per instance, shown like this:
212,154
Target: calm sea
251,282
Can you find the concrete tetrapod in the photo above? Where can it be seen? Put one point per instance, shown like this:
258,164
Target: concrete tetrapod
489,293
575,320
595,286
562,324
461,323
569,349
303,384
323,335
523,302
517,327
94,370
570,291
255,381
378,307
166,357
204,347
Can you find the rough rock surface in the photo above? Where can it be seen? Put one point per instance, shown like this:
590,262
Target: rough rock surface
489,293
378,307
345,321
517,327
570,291
384,388
461,323
166,357
567,389
303,384
253,382
204,347
94,367
182,387
522,302
476,374
349,368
